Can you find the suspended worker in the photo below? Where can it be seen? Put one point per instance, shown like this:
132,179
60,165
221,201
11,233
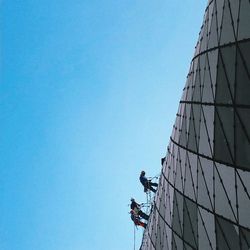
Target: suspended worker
147,184
136,219
137,209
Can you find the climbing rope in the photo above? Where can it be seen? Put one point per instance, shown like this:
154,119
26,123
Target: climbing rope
149,202
134,237
155,177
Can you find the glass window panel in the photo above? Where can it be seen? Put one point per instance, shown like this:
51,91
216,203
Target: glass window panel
244,204
181,111
191,177
162,201
192,135
178,242
242,82
224,90
192,162
189,91
227,32
173,132
203,65
169,238
244,179
175,169
219,7
222,205
158,242
153,232
178,180
187,247
197,88
168,164
227,175
164,237
208,112
197,48
179,200
184,93
221,149
245,239
212,57
192,80
190,222
189,185
171,198
245,53
171,171
175,152
173,244
171,146
244,18
195,68
176,131
183,158
197,117
207,90
176,222
188,82
204,143
210,13
201,34
151,247
183,136
203,239
205,183
213,35
198,78
205,34
229,56
224,134
209,225
227,235
188,115
242,138
167,214
234,7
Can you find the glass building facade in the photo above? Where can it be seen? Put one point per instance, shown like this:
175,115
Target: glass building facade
203,198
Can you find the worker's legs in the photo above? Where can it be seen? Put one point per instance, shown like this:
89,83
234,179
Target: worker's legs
152,189
154,184
139,223
142,224
143,215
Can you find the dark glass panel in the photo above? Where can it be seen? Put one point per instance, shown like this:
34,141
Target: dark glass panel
227,235
242,79
177,227
244,20
226,75
213,35
190,222
224,134
227,32
243,138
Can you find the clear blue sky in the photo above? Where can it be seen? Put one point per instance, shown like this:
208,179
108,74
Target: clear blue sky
88,95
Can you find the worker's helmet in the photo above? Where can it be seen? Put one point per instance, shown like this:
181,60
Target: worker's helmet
132,199
143,173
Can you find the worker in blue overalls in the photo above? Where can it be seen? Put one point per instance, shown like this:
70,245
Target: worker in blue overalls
147,184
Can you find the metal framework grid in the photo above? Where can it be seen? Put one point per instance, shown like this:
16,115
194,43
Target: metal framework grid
203,198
